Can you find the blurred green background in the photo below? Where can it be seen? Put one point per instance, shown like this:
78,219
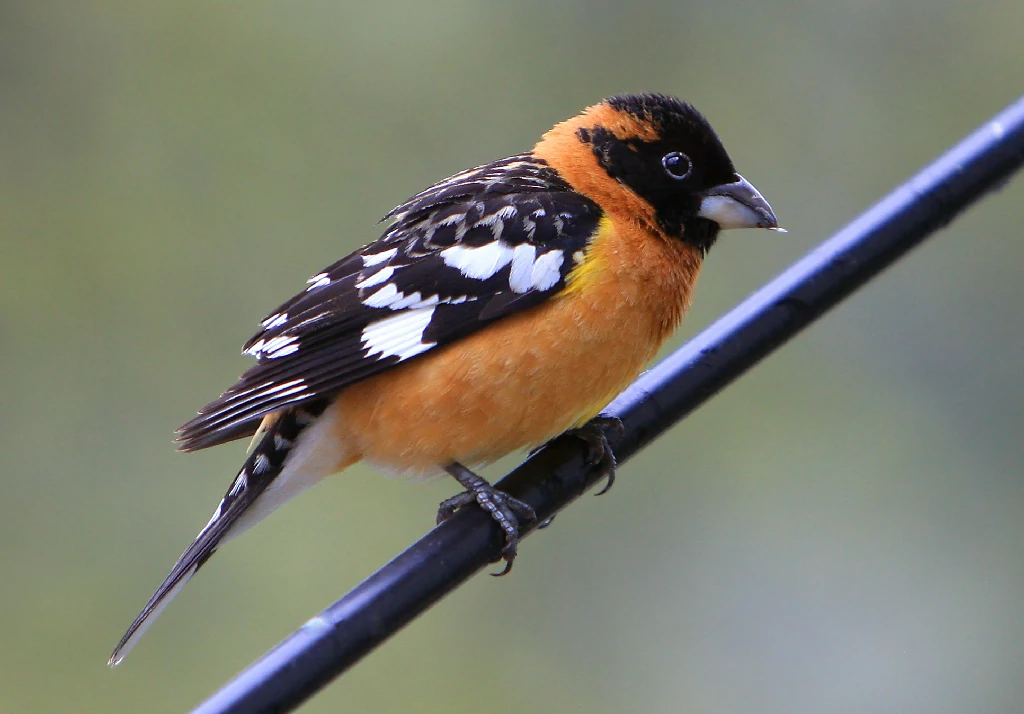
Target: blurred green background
841,531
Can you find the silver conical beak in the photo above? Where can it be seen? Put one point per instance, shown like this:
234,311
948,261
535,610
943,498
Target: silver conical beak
738,205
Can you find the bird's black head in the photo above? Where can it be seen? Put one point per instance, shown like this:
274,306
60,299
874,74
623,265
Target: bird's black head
666,152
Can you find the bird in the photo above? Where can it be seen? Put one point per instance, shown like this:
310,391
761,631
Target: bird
500,308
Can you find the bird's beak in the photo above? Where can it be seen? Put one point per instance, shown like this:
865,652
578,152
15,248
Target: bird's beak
737,205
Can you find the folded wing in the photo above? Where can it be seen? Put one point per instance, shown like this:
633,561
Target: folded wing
472,249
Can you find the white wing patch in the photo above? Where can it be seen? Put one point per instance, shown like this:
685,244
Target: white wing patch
532,272
545,271
415,301
481,262
400,335
278,318
384,297
377,278
392,298
378,258
520,277
320,280
285,389
275,347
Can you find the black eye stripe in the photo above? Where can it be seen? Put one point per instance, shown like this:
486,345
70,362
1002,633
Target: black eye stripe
677,165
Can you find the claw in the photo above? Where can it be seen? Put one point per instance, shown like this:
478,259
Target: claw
599,451
509,512
545,523
449,506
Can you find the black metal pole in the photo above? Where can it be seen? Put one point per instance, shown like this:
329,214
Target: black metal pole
439,562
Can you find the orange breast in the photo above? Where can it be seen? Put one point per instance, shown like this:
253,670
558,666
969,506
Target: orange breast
531,376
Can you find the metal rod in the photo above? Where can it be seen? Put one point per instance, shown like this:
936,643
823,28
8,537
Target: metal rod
439,562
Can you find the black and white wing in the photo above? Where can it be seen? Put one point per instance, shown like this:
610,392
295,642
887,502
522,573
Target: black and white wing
469,250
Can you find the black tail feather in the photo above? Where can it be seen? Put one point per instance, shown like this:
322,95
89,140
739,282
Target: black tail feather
262,466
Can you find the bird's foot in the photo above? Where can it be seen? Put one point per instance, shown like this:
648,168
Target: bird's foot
509,512
599,451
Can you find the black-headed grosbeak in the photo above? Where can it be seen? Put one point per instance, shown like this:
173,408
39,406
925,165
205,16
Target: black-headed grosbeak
503,306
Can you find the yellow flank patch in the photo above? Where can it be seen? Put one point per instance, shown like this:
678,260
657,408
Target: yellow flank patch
595,259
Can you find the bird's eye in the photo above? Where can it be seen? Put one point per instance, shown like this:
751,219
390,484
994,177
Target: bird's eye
677,165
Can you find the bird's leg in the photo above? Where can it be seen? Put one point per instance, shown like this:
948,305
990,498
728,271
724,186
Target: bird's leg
599,452
504,509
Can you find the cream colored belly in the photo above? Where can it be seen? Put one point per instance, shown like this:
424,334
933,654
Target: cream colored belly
513,385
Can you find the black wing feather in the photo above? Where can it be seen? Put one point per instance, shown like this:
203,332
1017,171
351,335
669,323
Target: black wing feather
419,286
